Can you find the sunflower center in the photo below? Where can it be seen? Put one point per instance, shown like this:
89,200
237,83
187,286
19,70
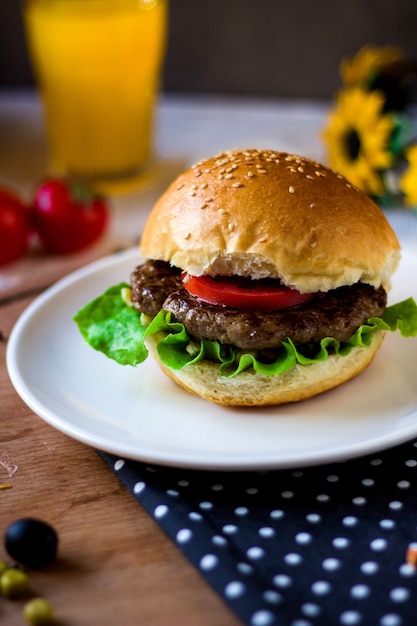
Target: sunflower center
353,144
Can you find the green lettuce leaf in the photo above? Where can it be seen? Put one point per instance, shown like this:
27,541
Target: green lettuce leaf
111,325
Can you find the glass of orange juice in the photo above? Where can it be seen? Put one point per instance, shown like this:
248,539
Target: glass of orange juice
98,66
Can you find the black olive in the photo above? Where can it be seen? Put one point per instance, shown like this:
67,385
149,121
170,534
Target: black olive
31,542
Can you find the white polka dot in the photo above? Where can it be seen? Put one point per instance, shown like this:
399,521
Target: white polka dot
217,487
277,514
391,619
341,542
303,538
301,622
387,524
403,484
359,501
287,494
331,564
323,497
377,545
173,493
376,462
150,469
206,506
139,487
196,517
252,491
310,610
255,552
266,531
160,511
407,570
349,520
395,505
399,594
119,464
411,463
349,618
321,587
241,511
244,568
332,478
271,596
282,580
293,558
313,518
230,529
209,561
297,473
218,540
234,589
262,618
183,483
360,591
368,482
184,535
369,567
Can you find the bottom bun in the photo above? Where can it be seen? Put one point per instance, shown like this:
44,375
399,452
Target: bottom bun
252,389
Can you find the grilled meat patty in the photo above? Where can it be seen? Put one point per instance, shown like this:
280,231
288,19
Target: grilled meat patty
338,313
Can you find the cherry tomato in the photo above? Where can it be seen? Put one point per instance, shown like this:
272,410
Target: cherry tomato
68,217
14,227
243,293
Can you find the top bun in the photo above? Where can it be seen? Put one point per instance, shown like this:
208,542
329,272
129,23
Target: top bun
263,213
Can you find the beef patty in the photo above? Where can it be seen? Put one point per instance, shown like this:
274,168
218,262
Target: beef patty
338,313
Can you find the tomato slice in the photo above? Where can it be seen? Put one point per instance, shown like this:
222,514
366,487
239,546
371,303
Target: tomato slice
243,293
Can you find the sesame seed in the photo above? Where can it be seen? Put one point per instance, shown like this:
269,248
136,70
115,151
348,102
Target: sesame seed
209,199
191,193
194,186
291,189
230,227
228,176
180,186
222,211
310,177
204,205
187,235
250,174
262,171
237,185
220,176
204,186
262,240
300,169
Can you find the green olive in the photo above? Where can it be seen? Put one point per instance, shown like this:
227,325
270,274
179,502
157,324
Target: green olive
13,583
37,612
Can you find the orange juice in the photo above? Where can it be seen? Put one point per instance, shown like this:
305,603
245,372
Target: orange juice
98,67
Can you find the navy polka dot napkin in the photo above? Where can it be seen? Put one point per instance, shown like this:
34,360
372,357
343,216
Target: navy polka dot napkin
315,546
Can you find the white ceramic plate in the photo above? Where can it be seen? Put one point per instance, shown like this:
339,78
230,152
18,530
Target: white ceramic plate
139,413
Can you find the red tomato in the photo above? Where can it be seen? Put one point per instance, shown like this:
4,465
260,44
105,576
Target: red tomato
14,227
68,217
243,293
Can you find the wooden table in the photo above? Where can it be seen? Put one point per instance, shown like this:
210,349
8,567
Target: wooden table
115,566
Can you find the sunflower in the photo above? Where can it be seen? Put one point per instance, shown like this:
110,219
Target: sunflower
360,69
408,182
357,136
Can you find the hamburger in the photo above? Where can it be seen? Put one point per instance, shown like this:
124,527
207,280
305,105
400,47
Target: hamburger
265,282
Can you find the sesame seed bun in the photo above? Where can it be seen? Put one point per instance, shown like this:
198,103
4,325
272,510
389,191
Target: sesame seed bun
263,213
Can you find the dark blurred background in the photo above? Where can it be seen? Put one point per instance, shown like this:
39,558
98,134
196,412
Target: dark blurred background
251,47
